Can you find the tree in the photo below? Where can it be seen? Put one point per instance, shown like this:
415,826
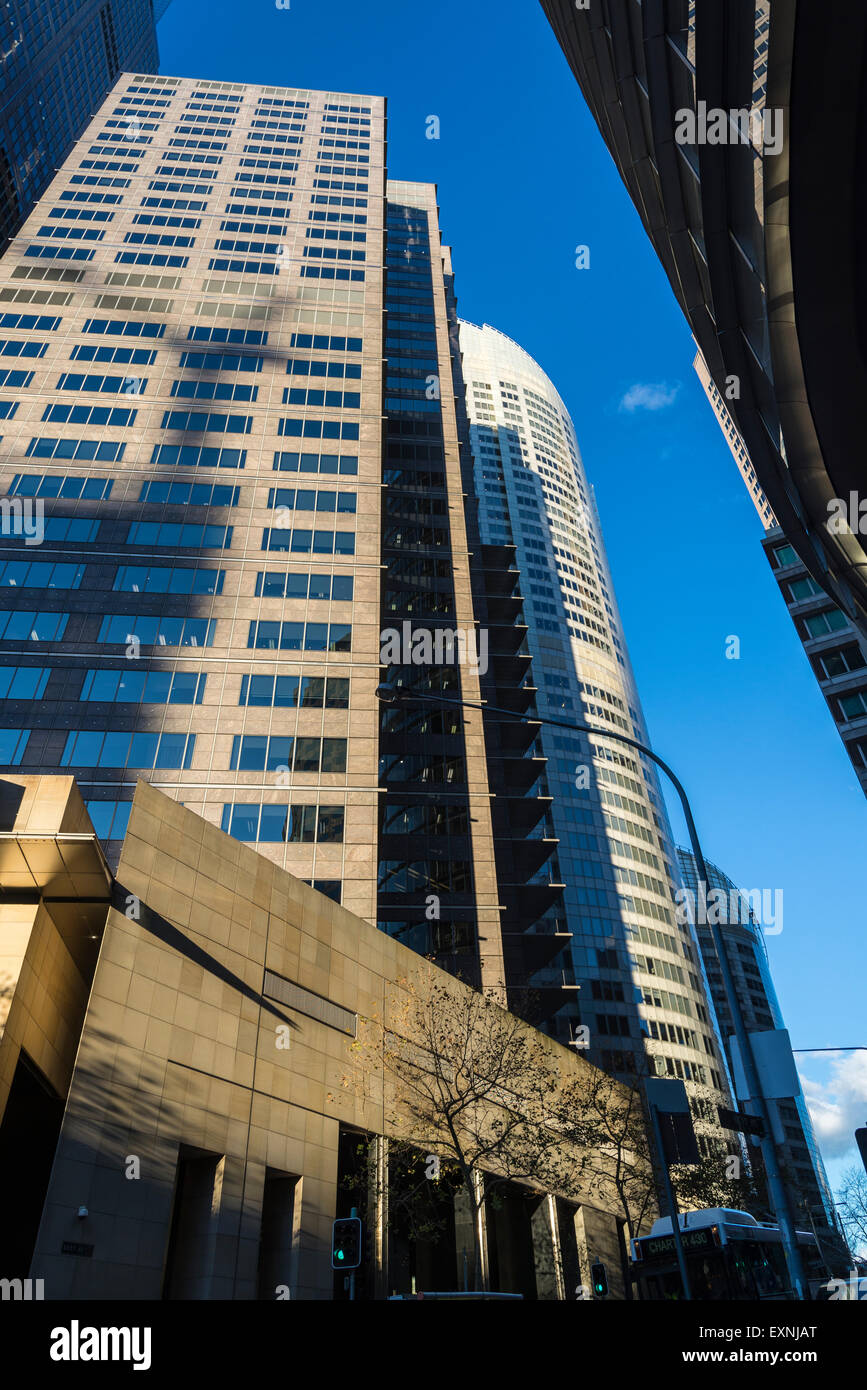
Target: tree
477,1086
852,1201
608,1117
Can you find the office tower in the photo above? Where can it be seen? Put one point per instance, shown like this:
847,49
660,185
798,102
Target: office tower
837,653
708,111
639,971
58,63
835,648
736,444
199,416
242,514
800,1160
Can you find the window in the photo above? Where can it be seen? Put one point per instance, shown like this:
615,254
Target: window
220,362
12,745
21,347
106,748
18,574
162,579
89,352
785,555
88,415
200,421
324,341
318,429
26,626
73,381
803,588
23,682
853,706
160,631
144,687
55,485
831,620
196,494
259,752
179,534
206,334
295,692
311,500
275,584
215,390
126,327
315,463
301,541
302,366
195,455
296,637
291,824
827,665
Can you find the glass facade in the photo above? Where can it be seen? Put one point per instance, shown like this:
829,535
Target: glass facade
641,986
59,60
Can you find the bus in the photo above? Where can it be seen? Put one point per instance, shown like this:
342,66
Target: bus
729,1256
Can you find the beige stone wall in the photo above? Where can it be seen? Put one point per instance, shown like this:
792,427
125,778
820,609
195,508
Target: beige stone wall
181,1047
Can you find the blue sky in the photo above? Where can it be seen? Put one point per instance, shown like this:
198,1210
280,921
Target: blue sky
524,178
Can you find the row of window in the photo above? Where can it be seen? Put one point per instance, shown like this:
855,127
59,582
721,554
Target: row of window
108,748
287,753
291,824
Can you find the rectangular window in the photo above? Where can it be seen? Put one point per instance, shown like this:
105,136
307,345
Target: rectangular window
12,745
163,631
201,421
295,636
301,541
56,485
183,535
107,748
318,429
291,692
27,626
23,682
287,462
145,687
163,579
18,574
291,824
194,455
312,499
276,584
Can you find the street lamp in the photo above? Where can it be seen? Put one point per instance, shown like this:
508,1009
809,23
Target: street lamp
776,1188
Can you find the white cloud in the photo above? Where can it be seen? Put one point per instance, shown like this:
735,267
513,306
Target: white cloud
649,395
838,1106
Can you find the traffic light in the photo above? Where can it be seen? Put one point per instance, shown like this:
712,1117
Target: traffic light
346,1243
599,1280
861,1141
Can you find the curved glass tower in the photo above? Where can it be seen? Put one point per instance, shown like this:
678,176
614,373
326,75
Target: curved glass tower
642,988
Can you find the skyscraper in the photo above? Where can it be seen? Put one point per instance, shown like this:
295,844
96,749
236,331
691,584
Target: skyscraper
58,61
249,529
200,306
638,970
800,1159
708,111
242,559
835,649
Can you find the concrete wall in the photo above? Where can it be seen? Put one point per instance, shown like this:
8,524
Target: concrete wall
183,1054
